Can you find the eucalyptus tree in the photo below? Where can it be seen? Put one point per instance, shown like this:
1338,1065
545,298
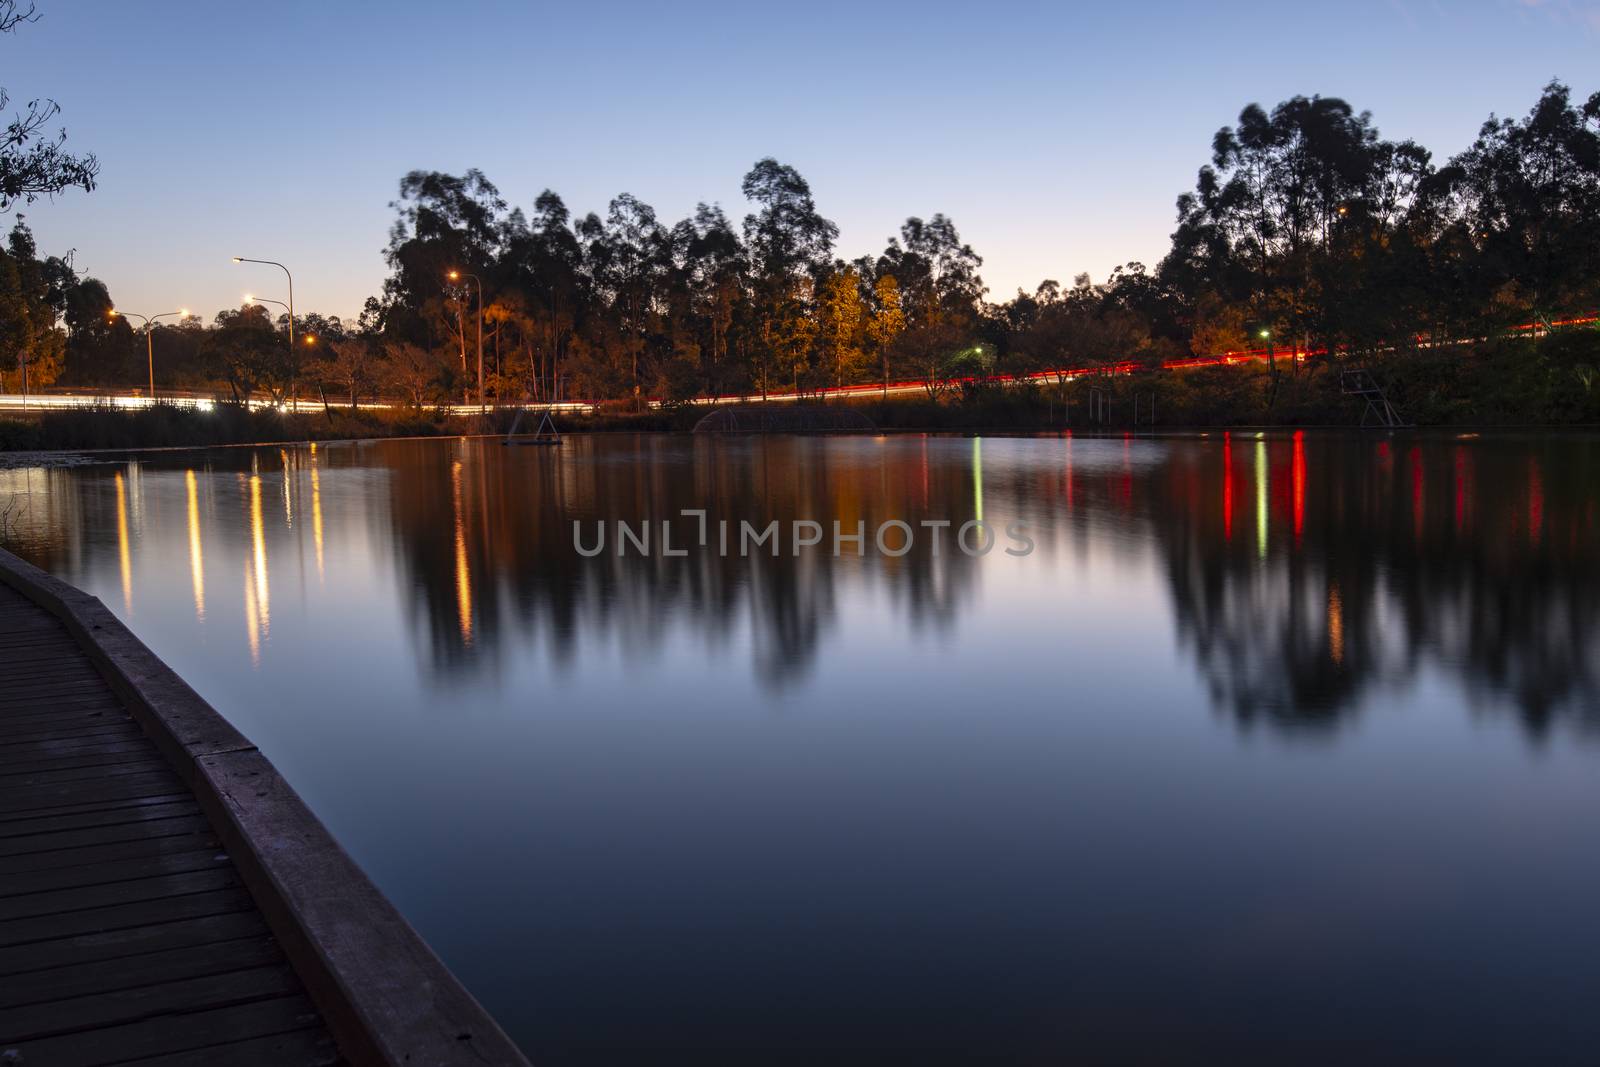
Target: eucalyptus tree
626,256
1530,190
444,223
33,161
788,242
1262,223
939,289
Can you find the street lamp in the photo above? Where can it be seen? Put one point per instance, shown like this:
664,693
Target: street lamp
250,299
293,399
149,337
456,275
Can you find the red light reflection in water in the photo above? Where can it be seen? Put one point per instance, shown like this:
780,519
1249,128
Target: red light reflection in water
1535,501
1297,473
1418,491
1070,487
924,470
1125,486
1227,486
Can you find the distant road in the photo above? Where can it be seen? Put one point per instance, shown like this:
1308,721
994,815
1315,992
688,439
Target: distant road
53,400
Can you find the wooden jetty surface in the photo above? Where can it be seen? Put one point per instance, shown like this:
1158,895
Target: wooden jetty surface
165,898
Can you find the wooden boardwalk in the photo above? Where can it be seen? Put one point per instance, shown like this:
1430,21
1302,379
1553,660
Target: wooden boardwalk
126,932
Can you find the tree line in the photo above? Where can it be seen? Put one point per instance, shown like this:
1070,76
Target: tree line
1306,230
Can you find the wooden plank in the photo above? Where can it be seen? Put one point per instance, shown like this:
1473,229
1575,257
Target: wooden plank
99,772
303,1048
66,733
64,724
56,713
144,1002
172,824
88,752
138,809
134,752
108,852
153,1037
95,897
101,946
83,715
46,670
51,694
33,798
52,683
144,969
121,917
106,873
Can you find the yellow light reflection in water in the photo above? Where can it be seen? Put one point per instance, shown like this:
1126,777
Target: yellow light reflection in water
197,568
262,610
1261,498
977,478
463,573
122,545
288,505
316,516
1335,624
251,629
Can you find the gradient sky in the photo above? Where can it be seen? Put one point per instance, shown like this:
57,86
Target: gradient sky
1056,138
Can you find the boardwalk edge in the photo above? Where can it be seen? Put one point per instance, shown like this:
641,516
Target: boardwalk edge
385,995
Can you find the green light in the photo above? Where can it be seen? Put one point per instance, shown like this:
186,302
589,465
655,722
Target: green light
977,477
1261,497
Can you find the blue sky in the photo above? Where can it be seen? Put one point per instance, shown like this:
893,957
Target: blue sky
1057,137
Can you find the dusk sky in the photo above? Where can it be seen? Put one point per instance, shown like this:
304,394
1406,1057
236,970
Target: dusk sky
1056,139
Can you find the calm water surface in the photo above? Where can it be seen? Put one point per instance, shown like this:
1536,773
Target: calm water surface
1274,749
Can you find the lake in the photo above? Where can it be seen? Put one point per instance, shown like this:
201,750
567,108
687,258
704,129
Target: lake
1279,747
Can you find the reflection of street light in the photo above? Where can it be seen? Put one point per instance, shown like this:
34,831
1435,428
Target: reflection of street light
149,337
274,263
456,275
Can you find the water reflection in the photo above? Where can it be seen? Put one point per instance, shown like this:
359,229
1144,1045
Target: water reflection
124,556
1390,578
197,568
1358,575
1284,713
258,590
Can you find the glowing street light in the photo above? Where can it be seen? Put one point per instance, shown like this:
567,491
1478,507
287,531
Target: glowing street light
456,275
149,337
293,400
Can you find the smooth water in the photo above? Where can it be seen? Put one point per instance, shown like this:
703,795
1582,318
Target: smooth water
1274,748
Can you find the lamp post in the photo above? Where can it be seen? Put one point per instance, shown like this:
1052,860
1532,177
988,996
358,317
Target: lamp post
456,275
252,299
293,397
149,337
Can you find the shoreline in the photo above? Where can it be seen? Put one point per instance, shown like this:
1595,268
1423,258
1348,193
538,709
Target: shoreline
83,457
